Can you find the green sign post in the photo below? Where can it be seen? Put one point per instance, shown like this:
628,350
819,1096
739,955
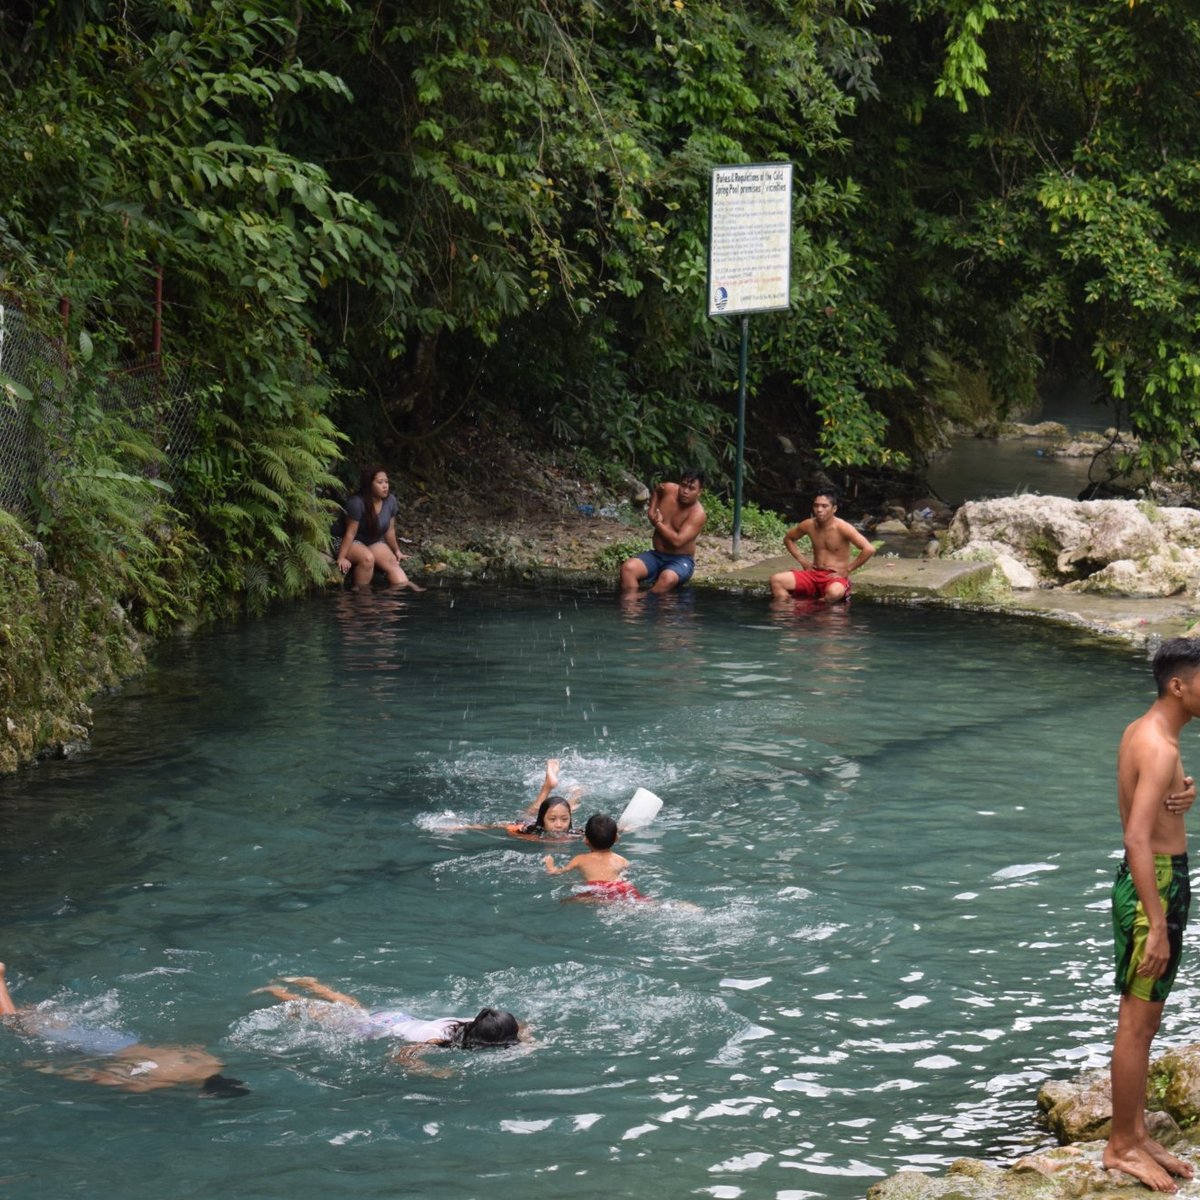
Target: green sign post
749,266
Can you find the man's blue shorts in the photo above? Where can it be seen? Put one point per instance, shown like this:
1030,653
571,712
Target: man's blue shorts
656,563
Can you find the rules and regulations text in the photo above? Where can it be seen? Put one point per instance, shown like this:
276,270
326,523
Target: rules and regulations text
750,238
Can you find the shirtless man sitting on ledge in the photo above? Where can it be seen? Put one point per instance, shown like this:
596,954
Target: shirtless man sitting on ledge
678,517
827,577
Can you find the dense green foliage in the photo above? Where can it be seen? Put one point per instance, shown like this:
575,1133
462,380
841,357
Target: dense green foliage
1046,210
140,137
548,168
60,642
376,221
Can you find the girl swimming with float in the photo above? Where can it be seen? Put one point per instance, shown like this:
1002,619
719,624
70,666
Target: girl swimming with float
553,815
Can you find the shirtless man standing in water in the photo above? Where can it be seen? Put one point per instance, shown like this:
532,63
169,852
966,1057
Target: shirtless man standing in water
678,517
827,577
1150,901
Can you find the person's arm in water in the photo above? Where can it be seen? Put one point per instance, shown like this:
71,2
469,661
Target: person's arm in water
573,865
512,828
411,1058
7,1007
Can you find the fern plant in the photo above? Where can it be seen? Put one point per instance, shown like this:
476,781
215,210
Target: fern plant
257,491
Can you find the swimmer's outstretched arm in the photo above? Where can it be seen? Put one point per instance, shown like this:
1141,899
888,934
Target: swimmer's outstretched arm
549,783
555,870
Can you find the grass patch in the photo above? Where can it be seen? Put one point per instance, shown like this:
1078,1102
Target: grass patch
761,524
611,557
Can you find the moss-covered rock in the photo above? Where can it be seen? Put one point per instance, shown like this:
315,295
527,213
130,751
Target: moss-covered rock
1078,1112
61,641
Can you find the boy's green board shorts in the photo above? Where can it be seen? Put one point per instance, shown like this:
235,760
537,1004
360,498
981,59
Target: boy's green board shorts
1130,925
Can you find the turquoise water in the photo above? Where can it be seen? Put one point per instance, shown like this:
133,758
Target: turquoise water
896,826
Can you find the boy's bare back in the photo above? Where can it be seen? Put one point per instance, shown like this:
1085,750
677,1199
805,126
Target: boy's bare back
596,866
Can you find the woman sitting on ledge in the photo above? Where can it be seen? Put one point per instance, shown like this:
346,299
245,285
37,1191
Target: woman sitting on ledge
369,536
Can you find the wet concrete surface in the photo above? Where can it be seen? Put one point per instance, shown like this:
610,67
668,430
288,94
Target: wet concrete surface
957,584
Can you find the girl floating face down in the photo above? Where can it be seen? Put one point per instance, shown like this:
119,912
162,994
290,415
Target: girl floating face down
552,814
115,1057
491,1027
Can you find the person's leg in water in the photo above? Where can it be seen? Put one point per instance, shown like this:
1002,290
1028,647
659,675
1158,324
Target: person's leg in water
386,560
362,565
835,592
314,986
1130,1147
782,584
667,581
7,1007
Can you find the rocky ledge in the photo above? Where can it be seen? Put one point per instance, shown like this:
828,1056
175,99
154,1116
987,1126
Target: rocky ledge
1124,568
1077,1113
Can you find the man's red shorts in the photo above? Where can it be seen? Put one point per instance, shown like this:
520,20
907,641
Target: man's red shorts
813,582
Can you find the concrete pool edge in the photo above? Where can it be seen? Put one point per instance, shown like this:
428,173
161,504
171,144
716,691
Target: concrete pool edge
947,583
963,585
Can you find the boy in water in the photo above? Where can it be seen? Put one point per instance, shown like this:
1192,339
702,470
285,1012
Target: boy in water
1150,900
601,867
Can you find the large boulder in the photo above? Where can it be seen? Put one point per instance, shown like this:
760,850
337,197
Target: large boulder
1019,576
1180,526
1110,547
1158,576
1033,529
1116,530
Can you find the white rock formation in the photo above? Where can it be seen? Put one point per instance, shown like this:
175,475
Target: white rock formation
1112,547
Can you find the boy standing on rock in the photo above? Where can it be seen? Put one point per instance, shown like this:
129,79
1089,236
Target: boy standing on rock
1150,901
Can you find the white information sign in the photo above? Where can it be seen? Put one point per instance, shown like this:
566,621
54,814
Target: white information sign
749,238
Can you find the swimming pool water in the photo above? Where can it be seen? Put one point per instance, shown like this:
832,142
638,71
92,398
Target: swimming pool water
897,828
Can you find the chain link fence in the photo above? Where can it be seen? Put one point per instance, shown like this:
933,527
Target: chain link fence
155,402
